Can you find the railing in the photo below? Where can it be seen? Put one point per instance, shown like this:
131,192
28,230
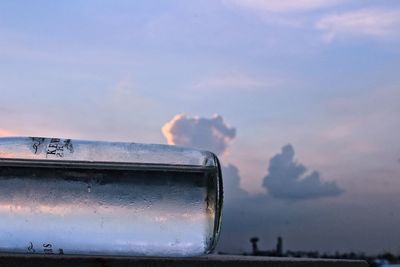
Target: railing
14,260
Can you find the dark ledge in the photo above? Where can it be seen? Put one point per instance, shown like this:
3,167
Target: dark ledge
14,260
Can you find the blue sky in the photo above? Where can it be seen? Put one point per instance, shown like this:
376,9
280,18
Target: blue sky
319,75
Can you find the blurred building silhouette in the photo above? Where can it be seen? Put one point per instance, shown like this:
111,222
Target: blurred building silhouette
279,247
382,260
278,252
254,241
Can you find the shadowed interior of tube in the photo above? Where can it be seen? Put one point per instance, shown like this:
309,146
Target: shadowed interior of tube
120,182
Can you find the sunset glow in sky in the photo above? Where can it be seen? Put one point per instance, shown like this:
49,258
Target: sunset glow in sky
300,99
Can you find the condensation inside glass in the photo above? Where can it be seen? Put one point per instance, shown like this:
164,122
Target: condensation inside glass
142,210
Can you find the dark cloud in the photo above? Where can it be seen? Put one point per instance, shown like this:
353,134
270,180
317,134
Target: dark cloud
210,134
287,179
232,188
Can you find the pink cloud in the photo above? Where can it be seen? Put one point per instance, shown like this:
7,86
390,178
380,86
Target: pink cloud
4,132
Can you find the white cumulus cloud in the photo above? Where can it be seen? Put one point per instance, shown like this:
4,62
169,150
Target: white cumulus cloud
210,134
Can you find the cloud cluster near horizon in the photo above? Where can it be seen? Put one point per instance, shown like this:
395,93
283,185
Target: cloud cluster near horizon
287,179
211,134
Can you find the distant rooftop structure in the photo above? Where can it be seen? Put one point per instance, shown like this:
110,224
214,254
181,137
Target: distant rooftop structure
278,252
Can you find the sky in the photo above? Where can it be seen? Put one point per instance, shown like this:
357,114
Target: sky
299,99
